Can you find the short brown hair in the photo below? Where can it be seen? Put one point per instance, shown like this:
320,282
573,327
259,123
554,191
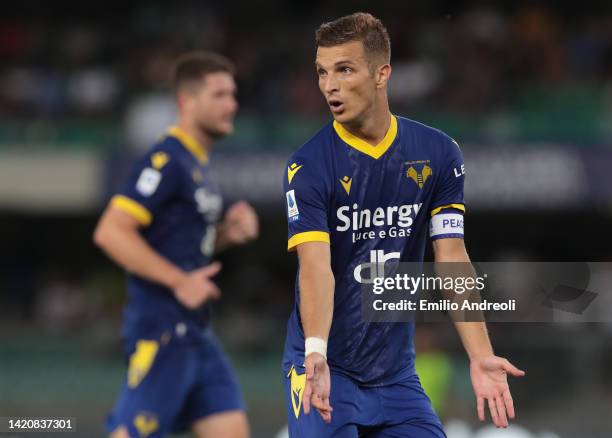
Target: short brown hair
192,67
359,26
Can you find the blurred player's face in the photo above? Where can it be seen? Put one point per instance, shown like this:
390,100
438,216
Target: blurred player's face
347,81
212,105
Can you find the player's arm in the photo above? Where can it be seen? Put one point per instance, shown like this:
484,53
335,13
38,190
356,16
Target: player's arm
473,335
316,289
307,198
488,372
316,281
118,234
154,182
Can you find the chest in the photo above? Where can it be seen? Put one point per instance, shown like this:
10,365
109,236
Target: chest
401,180
200,194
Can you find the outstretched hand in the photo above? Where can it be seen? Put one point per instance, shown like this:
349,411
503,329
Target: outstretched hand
490,383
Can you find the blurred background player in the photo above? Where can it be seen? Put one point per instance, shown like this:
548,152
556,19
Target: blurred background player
164,228
360,177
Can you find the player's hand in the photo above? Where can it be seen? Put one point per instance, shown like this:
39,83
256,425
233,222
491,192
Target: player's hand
318,386
490,383
240,224
196,287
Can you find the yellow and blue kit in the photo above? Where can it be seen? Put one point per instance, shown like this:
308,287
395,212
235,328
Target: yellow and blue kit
372,204
177,372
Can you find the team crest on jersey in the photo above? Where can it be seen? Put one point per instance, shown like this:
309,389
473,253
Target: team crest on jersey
148,181
418,171
292,209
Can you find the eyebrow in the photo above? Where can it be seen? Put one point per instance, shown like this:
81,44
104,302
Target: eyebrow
337,64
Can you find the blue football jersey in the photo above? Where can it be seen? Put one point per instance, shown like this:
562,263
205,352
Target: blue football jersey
170,192
372,204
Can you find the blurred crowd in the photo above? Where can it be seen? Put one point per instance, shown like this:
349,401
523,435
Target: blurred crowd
92,61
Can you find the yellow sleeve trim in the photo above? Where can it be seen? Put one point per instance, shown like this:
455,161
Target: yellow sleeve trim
132,208
437,210
308,236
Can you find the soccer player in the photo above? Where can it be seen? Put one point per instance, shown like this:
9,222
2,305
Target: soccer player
367,188
163,228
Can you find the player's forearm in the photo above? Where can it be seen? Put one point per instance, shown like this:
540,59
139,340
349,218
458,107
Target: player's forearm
452,260
128,249
475,339
316,299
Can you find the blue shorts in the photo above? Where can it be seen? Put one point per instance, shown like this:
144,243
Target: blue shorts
173,382
398,410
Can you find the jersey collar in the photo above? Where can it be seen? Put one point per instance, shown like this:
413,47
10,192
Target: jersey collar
190,143
363,146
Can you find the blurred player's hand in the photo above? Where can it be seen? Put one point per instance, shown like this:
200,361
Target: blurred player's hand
490,383
240,225
318,386
196,287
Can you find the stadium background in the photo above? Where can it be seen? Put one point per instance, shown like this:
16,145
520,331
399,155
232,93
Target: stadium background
526,89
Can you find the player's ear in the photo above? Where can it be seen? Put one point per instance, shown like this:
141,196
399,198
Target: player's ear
183,99
382,75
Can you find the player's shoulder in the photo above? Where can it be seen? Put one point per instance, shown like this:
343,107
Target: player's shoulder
165,154
424,131
315,148
311,159
432,137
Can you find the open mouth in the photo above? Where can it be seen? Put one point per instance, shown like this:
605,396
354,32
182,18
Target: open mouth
336,106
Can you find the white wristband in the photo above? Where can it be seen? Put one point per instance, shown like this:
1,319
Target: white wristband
315,345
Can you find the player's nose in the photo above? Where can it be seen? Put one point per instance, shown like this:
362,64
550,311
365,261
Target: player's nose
330,84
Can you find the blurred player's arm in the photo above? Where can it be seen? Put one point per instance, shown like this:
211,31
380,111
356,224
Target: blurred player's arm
317,283
488,372
240,225
117,233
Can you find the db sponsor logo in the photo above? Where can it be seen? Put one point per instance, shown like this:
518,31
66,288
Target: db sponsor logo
366,272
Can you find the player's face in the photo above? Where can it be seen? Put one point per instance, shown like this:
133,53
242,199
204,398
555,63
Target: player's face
214,104
346,81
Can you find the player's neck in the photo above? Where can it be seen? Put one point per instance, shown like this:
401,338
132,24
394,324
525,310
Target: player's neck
203,140
373,126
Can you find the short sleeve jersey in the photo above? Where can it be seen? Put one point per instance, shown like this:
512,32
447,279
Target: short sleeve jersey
371,204
170,192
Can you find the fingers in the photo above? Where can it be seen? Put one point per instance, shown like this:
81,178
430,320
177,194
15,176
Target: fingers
317,388
239,210
306,396
212,291
323,407
509,403
480,408
240,205
501,411
210,270
326,416
493,410
511,369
